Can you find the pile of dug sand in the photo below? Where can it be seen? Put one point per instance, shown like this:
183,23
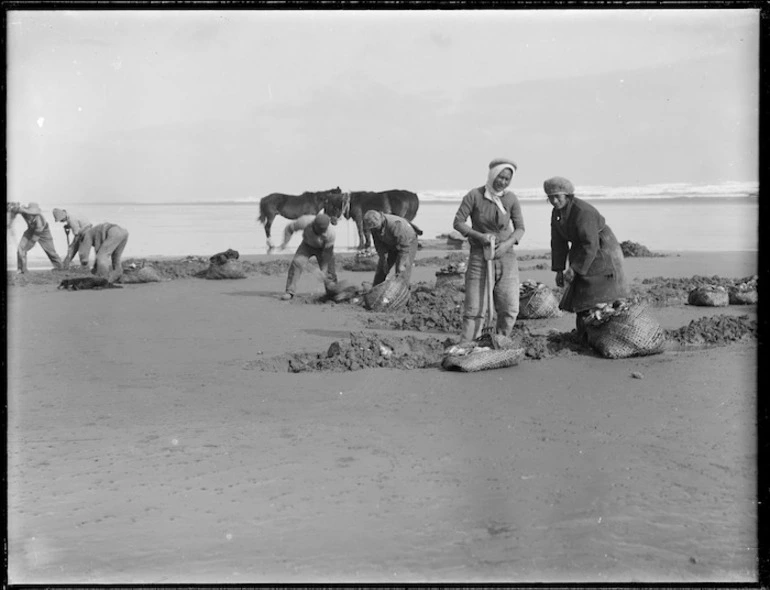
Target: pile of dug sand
428,309
717,330
362,351
369,350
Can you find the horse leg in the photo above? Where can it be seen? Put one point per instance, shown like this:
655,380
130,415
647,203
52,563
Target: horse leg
268,224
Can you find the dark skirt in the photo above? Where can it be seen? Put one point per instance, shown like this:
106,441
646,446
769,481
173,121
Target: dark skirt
605,280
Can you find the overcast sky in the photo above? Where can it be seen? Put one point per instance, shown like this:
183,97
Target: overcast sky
221,105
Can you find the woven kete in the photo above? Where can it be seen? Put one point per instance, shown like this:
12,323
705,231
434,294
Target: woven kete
391,294
483,360
540,303
633,332
706,298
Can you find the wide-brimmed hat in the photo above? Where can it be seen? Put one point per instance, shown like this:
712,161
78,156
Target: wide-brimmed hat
59,214
558,185
32,209
372,219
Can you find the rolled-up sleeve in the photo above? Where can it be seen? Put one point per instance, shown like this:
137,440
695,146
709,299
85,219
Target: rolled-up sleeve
518,221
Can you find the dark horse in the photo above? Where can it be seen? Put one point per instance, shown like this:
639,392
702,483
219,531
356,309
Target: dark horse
291,207
357,203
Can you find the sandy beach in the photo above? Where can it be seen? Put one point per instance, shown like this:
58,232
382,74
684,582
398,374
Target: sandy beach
156,435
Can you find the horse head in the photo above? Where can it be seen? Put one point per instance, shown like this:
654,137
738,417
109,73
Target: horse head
338,205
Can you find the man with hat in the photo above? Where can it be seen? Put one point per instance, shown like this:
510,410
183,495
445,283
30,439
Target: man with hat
395,241
37,232
76,225
317,241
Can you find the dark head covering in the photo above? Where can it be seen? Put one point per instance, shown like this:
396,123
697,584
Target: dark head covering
558,185
321,223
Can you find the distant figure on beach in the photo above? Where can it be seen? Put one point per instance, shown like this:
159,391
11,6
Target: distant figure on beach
74,225
580,234
395,242
37,232
108,240
494,211
318,237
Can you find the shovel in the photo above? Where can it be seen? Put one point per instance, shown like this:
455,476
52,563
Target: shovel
489,329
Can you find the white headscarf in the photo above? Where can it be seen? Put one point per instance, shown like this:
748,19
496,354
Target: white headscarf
489,191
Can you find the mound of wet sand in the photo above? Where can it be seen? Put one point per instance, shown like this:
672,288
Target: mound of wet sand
717,330
370,350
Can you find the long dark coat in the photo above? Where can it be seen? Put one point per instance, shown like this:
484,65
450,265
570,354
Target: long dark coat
579,232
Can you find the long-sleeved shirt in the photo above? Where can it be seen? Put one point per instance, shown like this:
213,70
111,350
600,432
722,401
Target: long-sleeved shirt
95,236
36,223
305,224
395,235
488,218
579,223
76,224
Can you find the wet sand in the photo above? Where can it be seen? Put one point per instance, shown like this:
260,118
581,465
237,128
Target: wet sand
148,445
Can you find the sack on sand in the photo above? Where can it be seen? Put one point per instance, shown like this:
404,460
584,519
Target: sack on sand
708,296
623,330
232,269
486,352
391,294
743,293
146,274
537,301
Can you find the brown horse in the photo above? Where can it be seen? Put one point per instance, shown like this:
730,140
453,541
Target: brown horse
291,207
357,203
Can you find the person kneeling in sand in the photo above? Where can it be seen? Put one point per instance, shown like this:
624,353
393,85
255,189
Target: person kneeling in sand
75,225
395,241
317,241
108,240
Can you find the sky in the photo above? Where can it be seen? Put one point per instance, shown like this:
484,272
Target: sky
163,106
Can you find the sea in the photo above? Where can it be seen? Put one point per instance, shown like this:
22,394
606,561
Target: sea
676,217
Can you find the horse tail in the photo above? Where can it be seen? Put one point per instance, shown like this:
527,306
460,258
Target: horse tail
413,205
262,211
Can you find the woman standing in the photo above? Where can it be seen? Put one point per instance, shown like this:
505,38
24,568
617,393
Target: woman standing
491,208
580,234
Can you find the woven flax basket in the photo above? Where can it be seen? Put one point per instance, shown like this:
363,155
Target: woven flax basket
633,332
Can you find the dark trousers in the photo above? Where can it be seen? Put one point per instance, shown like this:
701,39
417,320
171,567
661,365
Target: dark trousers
325,258
393,257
